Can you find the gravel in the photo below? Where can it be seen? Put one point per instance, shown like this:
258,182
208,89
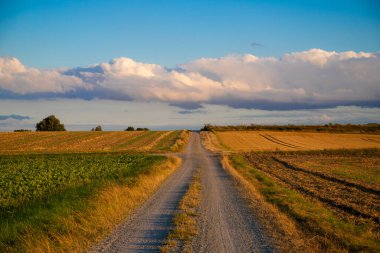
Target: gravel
225,222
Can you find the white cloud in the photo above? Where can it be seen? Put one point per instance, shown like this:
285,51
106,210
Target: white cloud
17,78
309,79
321,57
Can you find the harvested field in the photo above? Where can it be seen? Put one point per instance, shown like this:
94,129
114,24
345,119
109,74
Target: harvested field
355,167
288,141
351,197
175,141
75,142
345,182
333,196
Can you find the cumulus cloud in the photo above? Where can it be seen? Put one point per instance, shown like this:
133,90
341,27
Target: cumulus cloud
299,80
17,78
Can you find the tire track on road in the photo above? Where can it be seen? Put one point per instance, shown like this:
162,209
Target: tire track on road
147,229
226,224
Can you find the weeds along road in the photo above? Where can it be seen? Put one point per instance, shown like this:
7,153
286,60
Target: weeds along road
225,222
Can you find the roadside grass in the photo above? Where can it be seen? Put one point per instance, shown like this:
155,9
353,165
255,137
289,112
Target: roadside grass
181,141
211,142
74,217
185,224
320,226
286,237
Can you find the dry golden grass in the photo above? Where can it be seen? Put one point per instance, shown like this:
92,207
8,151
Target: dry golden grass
286,236
185,221
270,141
114,203
61,142
210,142
181,141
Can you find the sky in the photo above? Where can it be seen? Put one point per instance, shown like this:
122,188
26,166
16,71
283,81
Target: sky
179,64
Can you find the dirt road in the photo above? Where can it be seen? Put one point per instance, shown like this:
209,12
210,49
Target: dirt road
225,222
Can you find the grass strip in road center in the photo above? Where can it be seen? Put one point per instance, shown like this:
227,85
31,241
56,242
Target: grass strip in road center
185,224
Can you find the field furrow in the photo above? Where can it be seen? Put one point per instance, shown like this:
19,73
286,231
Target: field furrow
329,178
348,198
277,141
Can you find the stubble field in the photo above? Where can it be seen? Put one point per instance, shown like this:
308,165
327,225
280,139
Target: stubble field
287,141
327,185
79,142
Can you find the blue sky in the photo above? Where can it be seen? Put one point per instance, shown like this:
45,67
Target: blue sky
175,64
51,33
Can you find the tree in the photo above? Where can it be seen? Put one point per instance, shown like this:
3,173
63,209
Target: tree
207,127
142,129
98,128
130,128
50,123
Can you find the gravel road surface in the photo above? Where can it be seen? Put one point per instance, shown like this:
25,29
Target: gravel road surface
225,222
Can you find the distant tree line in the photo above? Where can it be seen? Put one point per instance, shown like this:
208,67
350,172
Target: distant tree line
52,123
131,128
22,130
336,128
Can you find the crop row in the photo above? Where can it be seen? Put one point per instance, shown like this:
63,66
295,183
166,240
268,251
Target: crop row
293,141
69,142
27,177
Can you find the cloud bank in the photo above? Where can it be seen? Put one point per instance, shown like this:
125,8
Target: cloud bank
300,80
14,117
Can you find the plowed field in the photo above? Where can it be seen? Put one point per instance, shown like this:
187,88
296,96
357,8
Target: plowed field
347,182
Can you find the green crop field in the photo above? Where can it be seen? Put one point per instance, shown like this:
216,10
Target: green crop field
36,190
23,178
